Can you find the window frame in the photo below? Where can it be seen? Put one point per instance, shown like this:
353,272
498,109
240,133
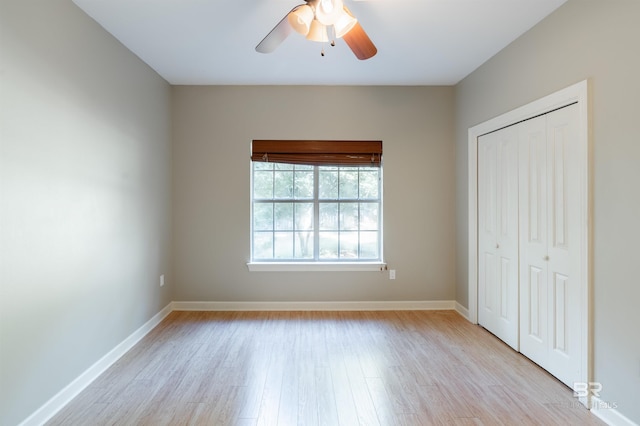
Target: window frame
320,264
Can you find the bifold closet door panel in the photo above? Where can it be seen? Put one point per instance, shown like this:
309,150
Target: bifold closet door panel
564,245
498,234
549,243
533,239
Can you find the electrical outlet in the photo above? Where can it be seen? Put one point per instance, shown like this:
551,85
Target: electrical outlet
161,280
392,274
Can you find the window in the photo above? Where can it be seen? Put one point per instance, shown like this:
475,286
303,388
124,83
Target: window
316,210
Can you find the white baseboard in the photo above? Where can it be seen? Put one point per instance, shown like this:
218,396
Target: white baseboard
316,306
608,413
62,398
462,311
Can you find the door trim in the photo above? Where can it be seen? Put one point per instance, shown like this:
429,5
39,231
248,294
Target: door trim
577,93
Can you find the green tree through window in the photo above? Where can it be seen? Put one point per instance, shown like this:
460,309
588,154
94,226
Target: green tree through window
316,213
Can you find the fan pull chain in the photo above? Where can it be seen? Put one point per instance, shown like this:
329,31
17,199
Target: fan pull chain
331,30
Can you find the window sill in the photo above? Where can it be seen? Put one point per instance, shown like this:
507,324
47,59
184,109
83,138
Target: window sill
316,266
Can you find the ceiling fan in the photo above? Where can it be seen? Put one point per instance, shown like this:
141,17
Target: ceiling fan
321,20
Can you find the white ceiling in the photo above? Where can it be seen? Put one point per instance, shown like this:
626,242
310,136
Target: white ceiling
420,42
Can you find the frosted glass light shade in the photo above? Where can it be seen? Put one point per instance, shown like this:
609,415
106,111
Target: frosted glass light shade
344,24
300,19
317,32
328,11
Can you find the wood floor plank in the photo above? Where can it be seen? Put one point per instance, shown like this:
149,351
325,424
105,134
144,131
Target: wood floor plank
327,407
402,390
323,368
359,389
345,403
270,401
382,402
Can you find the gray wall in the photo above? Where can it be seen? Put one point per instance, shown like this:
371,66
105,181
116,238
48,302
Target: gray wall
213,128
598,40
85,198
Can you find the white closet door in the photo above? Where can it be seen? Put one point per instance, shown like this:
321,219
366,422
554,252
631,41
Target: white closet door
549,200
564,245
533,239
498,234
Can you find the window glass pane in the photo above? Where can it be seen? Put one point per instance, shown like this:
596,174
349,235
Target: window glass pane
283,213
262,216
262,166
283,185
369,216
304,216
348,245
303,181
263,245
328,245
348,183
349,216
328,184
369,245
284,224
283,166
328,216
283,245
262,185
368,185
303,245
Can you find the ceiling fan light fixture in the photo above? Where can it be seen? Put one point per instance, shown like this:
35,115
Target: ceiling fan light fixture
307,19
317,32
344,24
328,11
300,19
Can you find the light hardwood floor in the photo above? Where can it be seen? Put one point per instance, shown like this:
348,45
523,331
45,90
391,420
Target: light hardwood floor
323,368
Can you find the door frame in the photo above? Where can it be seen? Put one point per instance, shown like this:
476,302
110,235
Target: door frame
577,93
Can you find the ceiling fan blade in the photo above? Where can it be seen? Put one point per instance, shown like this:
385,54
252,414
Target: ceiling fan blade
360,43
276,36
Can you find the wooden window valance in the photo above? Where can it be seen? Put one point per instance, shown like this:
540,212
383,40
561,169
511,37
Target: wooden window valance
335,153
